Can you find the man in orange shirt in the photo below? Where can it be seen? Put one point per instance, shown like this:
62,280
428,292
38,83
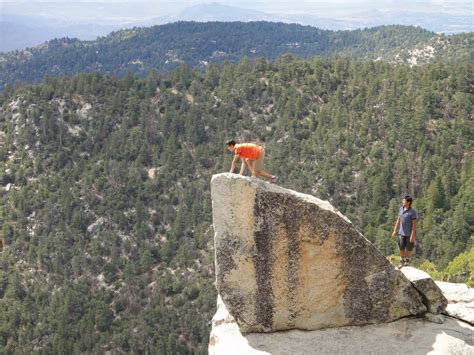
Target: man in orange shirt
252,156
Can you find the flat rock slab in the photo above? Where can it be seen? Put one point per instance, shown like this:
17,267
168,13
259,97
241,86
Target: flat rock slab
432,295
287,260
460,300
414,336
456,293
463,311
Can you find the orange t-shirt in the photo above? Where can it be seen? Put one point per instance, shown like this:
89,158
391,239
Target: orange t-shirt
248,150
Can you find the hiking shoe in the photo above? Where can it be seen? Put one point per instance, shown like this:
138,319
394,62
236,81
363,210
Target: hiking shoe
274,178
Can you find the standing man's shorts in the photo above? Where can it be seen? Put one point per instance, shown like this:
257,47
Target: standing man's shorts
258,165
404,243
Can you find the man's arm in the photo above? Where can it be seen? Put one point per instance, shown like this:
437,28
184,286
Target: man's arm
413,228
234,162
397,225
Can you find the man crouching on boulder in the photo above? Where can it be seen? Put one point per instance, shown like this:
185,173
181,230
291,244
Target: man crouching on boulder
252,156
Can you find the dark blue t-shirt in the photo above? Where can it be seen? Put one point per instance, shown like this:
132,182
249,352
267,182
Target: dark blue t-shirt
406,218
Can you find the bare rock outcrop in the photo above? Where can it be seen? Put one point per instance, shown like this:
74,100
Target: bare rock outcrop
286,260
460,301
411,335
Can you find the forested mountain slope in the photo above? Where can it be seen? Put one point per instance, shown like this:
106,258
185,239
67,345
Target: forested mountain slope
165,47
105,204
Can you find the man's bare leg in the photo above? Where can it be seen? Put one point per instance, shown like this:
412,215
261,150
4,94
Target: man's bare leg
265,174
250,163
242,167
259,173
408,254
403,255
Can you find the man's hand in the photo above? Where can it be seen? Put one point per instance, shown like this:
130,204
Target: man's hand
413,228
395,228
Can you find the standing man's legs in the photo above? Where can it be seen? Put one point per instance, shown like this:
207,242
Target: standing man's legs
402,243
406,250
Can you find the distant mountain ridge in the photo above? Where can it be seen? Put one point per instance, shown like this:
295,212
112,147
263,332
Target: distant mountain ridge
49,20
165,47
357,19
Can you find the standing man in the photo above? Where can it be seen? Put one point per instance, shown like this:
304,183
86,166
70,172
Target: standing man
405,226
252,155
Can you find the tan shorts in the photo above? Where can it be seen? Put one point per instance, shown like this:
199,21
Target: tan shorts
258,165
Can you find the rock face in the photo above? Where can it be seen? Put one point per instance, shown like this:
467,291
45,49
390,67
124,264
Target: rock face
432,295
286,260
414,336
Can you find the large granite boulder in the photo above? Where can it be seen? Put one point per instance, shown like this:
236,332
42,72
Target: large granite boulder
432,295
287,260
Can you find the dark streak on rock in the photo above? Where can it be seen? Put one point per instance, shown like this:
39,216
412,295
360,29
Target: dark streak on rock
293,261
357,302
224,258
263,261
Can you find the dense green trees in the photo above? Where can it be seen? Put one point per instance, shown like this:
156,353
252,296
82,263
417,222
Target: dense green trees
105,203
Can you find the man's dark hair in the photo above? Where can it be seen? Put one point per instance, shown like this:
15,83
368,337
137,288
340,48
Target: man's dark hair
408,199
230,143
